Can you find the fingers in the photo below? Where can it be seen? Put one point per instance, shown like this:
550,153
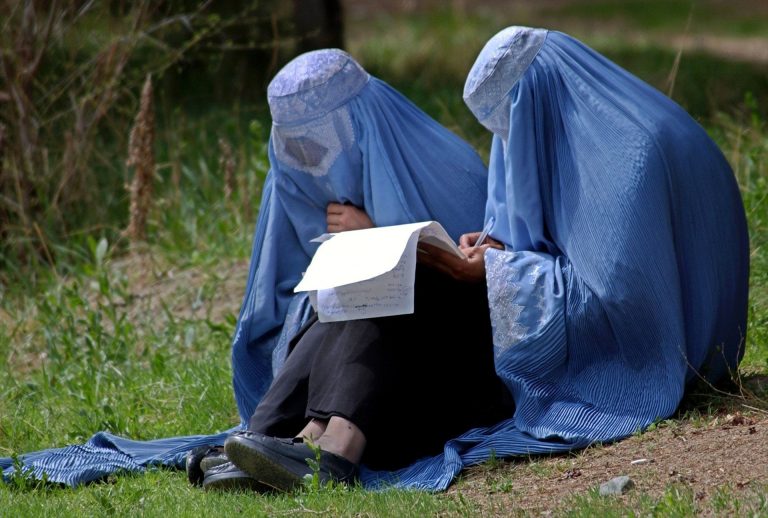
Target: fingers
340,218
470,269
493,243
334,208
333,221
467,240
475,252
438,254
333,213
442,261
427,259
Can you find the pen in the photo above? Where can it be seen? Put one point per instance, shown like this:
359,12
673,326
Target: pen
484,233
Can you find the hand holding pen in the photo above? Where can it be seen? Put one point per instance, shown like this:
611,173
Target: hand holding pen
472,267
485,232
466,241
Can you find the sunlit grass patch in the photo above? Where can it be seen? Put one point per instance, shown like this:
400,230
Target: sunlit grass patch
166,493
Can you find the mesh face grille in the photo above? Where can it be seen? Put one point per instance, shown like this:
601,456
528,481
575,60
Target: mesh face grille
305,151
313,147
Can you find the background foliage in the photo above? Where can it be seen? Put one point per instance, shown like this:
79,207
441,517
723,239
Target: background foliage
71,72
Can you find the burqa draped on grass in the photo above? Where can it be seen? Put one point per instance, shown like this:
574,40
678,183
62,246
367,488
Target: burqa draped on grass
624,274
339,135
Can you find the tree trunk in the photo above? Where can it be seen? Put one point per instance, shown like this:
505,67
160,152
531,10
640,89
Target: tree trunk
319,24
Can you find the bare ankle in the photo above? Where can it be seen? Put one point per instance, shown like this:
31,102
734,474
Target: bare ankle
314,430
342,437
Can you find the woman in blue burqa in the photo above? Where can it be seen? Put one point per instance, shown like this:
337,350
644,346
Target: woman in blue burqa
346,151
623,272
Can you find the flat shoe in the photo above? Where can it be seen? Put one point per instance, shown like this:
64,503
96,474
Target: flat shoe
282,463
213,459
228,477
194,459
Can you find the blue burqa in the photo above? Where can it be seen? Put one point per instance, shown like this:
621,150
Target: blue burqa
338,135
625,265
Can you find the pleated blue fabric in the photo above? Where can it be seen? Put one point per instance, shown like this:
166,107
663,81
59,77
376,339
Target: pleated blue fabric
625,269
104,454
338,135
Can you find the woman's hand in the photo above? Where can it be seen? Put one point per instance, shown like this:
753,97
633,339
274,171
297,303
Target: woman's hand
346,217
470,268
468,241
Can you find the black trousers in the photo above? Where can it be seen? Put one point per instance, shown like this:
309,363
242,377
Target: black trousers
409,382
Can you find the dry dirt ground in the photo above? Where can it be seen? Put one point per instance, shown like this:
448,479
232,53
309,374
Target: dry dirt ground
716,443
702,456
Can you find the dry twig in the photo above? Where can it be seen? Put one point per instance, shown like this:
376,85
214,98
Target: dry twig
227,165
141,157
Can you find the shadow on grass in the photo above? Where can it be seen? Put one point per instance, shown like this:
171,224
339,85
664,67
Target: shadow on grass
746,394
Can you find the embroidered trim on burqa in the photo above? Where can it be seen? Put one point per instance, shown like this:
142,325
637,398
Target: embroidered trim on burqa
518,289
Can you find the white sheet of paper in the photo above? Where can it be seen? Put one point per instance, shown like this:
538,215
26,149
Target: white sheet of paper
369,273
357,255
435,234
385,295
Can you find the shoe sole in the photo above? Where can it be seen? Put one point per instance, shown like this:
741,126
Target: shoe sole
259,464
233,482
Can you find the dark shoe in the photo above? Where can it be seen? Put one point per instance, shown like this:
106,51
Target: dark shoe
228,477
215,458
194,459
282,463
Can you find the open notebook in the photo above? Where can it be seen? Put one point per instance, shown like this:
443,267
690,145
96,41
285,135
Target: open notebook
369,273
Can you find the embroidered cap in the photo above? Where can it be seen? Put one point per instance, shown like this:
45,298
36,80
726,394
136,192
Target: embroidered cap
501,63
314,84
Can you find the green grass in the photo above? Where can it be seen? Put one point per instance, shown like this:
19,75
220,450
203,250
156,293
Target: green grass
77,362
163,493
677,500
79,356
707,16
745,144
